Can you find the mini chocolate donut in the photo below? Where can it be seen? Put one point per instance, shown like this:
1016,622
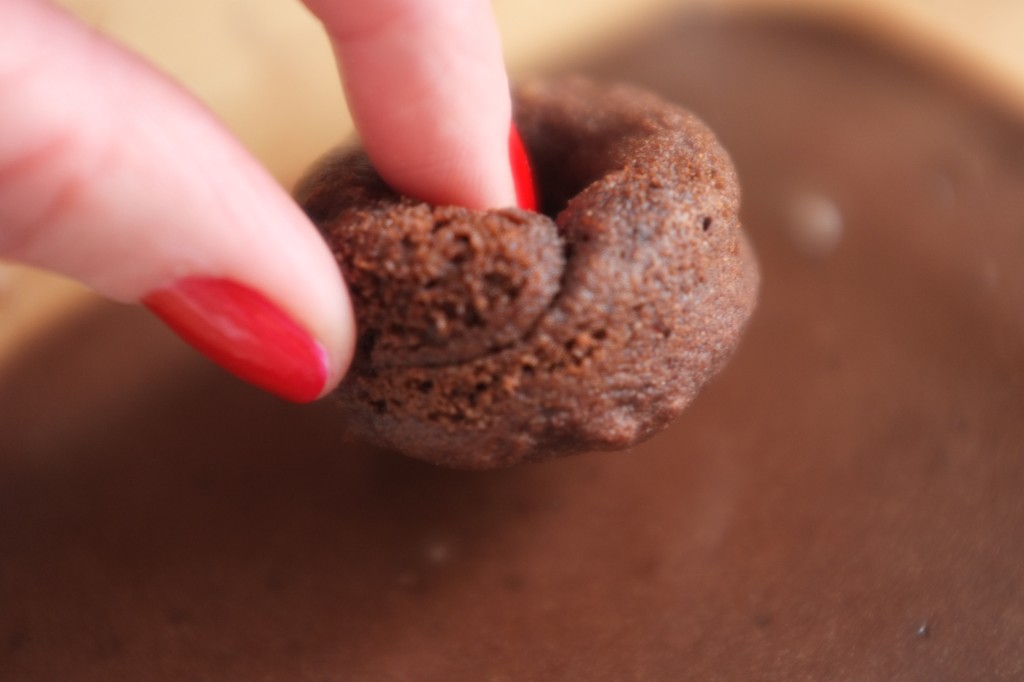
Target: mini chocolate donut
488,338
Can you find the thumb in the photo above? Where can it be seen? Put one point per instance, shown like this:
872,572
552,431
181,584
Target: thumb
111,175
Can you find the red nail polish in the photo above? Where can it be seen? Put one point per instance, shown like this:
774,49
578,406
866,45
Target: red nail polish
526,194
246,334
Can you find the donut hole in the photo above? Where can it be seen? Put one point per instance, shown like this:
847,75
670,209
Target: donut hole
557,183
493,337
567,159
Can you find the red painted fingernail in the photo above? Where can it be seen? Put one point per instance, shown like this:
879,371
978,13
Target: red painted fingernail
522,175
246,334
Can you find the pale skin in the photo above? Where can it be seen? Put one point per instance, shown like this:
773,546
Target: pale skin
114,176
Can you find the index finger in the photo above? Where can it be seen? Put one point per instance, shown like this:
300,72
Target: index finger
426,84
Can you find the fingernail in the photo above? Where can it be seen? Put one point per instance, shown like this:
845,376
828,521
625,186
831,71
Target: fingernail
246,334
526,194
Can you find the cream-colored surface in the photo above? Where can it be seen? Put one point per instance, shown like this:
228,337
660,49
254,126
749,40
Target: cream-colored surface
980,40
264,67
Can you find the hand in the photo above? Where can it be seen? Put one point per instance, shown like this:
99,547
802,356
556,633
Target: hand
112,175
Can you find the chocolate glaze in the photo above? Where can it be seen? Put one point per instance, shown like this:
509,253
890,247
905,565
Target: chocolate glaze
492,338
842,503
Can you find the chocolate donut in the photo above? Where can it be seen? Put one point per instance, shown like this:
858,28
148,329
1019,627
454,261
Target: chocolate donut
488,338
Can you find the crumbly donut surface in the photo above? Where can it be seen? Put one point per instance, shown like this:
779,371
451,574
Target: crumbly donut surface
496,337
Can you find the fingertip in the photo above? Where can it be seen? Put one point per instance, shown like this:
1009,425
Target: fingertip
427,87
114,176
339,349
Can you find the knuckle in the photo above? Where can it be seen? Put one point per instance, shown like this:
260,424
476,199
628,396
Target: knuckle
42,185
